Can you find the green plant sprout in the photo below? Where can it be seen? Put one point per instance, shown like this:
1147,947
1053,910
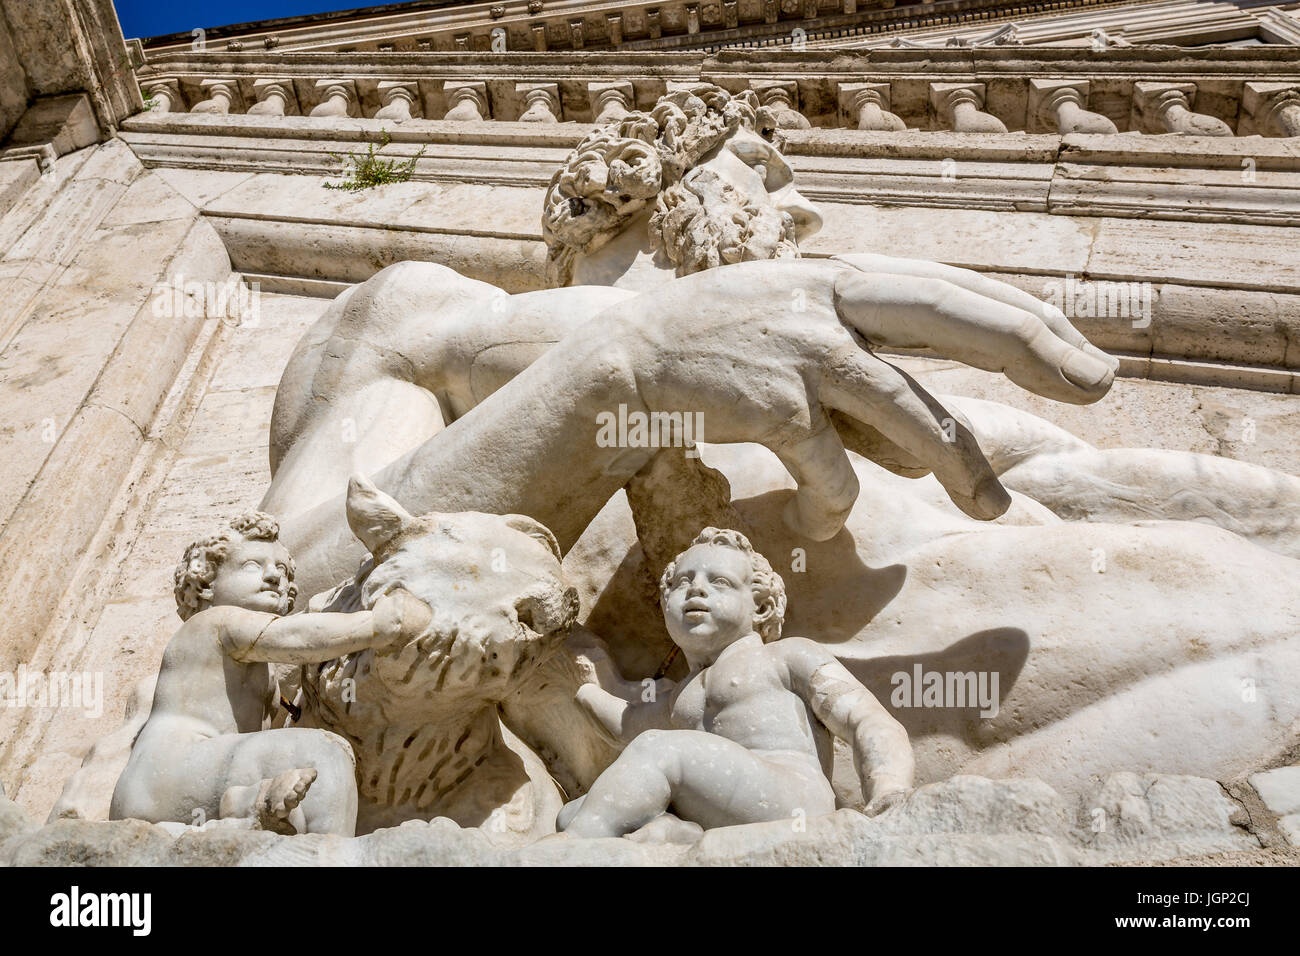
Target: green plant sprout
369,170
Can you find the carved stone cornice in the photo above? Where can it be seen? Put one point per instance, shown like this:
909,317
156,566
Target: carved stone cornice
639,23
1034,89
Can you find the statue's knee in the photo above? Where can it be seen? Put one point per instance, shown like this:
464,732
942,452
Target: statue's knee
333,754
646,743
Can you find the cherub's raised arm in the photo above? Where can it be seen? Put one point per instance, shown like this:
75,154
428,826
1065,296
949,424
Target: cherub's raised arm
882,754
311,638
621,718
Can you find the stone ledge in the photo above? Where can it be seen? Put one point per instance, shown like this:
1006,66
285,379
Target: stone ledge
963,821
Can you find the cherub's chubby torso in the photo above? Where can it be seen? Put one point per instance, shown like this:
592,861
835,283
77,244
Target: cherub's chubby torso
202,692
745,696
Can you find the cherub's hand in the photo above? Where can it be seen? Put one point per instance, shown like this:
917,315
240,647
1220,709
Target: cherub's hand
400,617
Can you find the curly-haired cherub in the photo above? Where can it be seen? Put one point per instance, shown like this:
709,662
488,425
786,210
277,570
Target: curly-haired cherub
204,747
746,720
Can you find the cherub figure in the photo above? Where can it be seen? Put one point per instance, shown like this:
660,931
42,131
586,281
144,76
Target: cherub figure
203,756
748,739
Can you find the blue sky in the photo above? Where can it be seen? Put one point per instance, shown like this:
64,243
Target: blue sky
147,18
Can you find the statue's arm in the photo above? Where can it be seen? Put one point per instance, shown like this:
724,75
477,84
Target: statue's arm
249,636
882,753
692,347
623,719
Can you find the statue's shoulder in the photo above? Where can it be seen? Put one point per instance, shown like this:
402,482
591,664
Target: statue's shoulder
406,291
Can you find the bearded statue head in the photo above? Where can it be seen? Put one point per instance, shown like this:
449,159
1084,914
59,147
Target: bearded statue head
701,164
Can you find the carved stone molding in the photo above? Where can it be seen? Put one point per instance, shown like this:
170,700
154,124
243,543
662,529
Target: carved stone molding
781,96
539,37
222,94
467,101
165,96
275,97
338,98
614,27
866,106
400,100
1270,109
960,107
610,102
541,102
1167,108
1060,106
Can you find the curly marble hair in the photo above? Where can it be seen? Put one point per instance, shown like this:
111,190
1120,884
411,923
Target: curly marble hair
768,586
198,567
621,168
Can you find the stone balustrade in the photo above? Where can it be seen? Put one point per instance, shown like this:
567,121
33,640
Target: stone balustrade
1225,92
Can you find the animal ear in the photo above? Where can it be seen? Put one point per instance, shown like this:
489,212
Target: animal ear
374,517
535,529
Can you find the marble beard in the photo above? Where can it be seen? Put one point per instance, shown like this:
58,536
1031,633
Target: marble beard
487,641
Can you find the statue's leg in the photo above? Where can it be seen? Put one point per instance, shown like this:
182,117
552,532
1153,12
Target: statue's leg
706,779
329,806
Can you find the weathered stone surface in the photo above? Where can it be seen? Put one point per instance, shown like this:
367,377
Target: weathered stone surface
13,822
1187,816
1280,791
965,821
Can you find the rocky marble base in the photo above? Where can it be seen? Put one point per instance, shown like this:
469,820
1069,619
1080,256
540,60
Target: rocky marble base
964,821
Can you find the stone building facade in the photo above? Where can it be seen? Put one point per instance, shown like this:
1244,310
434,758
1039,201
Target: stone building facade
1139,163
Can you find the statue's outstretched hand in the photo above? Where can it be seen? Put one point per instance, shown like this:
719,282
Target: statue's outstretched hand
783,353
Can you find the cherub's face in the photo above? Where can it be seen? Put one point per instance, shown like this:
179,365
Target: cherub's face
254,576
710,599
